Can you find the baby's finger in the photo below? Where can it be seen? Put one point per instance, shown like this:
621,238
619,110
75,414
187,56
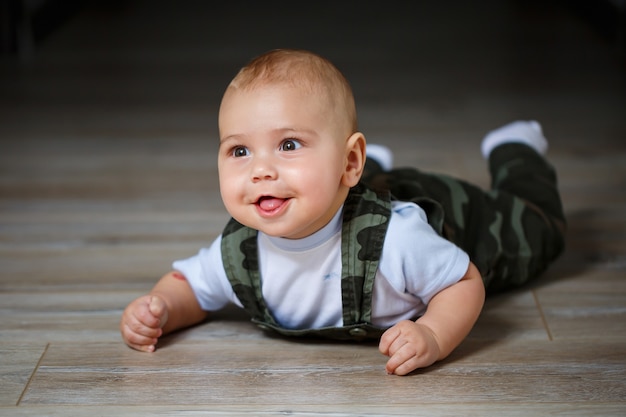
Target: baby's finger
138,326
387,339
142,348
405,366
396,360
138,341
404,360
146,317
158,309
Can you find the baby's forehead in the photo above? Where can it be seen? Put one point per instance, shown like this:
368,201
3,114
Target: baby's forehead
316,89
296,94
308,94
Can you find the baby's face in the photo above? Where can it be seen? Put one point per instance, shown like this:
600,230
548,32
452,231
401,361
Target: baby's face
281,160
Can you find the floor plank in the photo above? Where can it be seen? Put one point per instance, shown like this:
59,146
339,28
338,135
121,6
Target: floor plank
513,409
286,372
585,316
512,315
18,362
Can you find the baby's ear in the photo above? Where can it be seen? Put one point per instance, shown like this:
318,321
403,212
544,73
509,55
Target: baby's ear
355,159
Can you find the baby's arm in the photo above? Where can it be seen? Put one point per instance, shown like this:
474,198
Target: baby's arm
450,316
171,305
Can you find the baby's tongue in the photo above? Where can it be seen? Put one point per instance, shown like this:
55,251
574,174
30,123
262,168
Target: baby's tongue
270,203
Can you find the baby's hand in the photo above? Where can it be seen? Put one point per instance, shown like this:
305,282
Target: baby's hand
142,322
409,345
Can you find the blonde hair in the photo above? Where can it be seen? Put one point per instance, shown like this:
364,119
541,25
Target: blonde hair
301,69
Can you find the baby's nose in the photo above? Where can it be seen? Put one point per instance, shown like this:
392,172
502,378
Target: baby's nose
263,169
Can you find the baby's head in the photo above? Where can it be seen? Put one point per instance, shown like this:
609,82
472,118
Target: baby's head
289,146
308,72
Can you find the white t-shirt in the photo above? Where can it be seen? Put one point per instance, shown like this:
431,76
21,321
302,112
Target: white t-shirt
301,278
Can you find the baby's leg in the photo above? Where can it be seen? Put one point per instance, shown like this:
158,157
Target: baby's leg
511,232
525,194
524,189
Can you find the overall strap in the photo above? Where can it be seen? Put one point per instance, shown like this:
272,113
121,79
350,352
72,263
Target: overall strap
241,263
365,220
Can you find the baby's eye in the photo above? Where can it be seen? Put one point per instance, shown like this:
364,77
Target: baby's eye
240,151
290,145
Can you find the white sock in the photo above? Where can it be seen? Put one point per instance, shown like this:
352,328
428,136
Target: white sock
521,131
380,154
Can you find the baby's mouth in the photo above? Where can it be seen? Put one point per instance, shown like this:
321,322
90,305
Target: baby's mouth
270,203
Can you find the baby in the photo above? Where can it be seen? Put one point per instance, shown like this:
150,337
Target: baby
311,250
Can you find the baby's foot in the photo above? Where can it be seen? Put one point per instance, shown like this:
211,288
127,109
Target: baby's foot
521,131
381,154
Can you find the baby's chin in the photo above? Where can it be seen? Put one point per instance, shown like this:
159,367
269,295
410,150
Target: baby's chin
283,233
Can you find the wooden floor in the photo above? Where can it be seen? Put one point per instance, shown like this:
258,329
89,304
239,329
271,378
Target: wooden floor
108,174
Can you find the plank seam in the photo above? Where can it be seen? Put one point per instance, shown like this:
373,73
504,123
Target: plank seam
32,375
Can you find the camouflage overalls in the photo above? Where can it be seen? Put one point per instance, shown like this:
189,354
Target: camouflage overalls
511,233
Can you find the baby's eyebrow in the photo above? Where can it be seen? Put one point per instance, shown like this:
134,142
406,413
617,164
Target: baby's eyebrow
289,131
279,132
229,138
